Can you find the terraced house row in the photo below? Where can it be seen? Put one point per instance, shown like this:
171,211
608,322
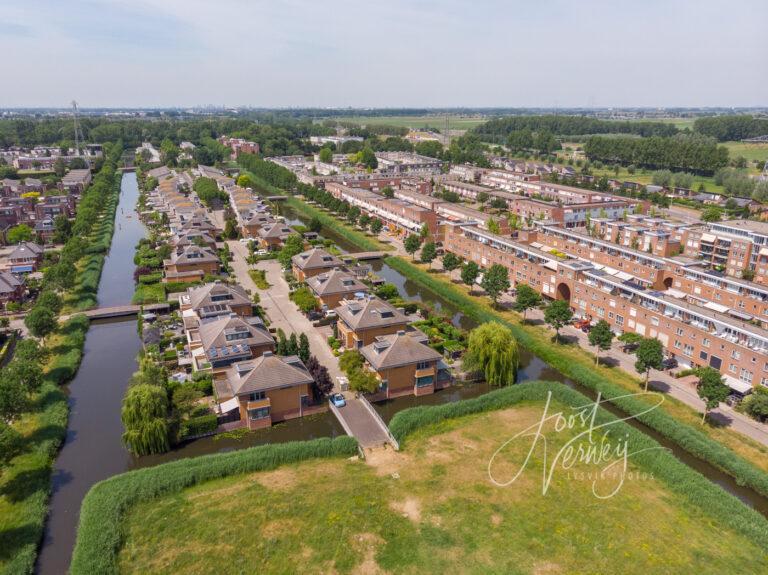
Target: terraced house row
701,317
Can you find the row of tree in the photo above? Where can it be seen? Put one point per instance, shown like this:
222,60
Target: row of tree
683,152
728,128
498,130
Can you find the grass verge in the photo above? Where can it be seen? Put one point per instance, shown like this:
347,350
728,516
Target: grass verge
99,534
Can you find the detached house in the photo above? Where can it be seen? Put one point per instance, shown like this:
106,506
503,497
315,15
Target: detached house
220,341
253,222
266,390
313,262
405,365
25,258
334,286
272,236
190,263
213,300
11,288
362,320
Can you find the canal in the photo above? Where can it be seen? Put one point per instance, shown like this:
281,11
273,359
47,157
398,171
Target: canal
93,450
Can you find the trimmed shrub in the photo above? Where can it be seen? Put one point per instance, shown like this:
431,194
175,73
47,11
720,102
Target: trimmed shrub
99,533
198,425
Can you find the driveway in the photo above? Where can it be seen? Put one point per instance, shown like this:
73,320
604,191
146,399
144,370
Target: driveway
282,312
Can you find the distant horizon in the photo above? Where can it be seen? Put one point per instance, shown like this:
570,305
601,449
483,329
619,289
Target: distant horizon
152,54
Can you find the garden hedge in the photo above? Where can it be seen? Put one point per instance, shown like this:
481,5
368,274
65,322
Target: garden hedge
676,475
99,533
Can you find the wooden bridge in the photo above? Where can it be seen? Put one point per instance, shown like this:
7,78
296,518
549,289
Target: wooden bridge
123,311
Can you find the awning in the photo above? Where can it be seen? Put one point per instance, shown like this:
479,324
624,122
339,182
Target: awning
611,271
537,245
737,385
551,265
716,306
229,405
763,251
21,269
624,276
675,293
708,238
740,315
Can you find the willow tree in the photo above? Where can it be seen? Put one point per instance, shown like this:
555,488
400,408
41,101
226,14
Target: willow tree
144,414
493,350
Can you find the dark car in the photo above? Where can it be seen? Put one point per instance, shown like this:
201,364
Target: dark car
669,363
630,347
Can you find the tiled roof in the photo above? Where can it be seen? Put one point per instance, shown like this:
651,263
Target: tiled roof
315,258
217,293
335,281
267,372
215,333
370,312
397,350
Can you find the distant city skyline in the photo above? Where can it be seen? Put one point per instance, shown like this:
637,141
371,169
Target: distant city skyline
425,54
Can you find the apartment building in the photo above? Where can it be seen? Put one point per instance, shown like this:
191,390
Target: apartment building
645,295
739,248
408,163
239,146
397,214
75,181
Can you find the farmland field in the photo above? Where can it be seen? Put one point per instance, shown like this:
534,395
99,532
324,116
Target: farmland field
431,508
417,122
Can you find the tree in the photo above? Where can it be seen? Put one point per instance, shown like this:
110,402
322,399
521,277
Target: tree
144,415
294,245
367,158
13,397
230,229
649,355
424,231
51,300
482,197
711,389
527,298
451,262
428,253
243,181
28,374
387,291
412,244
492,349
185,398
756,405
388,192
10,443
20,233
363,381
326,155
41,321
315,225
30,350
711,214
63,229
557,314
293,345
376,226
601,336
350,360
303,351
322,385
495,281
305,299
469,274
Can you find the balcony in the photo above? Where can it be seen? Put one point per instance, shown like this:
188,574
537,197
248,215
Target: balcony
259,404
425,372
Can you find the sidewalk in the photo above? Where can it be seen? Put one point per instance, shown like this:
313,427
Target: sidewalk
682,389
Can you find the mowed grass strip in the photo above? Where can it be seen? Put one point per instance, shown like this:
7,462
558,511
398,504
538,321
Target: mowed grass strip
432,509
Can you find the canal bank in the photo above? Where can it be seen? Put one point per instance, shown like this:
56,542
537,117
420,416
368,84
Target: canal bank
92,449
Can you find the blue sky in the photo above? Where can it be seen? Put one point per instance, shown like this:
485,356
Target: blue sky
424,53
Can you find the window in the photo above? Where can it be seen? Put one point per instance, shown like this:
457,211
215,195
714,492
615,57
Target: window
705,342
655,321
688,350
620,320
703,355
679,331
424,381
735,354
256,396
732,367
423,365
745,375
261,413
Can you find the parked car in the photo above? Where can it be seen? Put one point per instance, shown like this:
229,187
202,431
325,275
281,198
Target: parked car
330,313
734,399
630,347
669,363
245,240
338,400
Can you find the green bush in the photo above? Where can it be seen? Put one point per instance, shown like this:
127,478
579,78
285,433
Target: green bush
646,452
199,425
690,439
99,534
153,278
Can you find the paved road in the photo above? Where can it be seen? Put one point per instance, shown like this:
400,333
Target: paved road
682,389
284,314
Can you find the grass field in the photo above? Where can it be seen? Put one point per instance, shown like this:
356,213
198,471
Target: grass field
416,122
432,509
752,152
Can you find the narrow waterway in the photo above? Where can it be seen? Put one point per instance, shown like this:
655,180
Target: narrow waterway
93,449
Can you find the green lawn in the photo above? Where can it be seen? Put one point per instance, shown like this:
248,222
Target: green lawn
417,122
752,152
432,509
